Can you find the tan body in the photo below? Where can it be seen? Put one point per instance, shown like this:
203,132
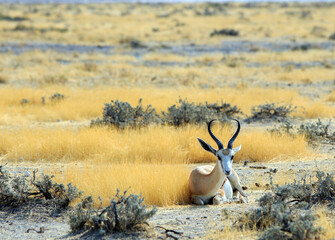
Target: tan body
206,183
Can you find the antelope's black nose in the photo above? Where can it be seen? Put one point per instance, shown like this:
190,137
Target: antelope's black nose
227,172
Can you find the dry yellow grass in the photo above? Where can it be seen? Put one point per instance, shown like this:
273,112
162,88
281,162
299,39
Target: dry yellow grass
316,109
326,221
331,97
231,233
160,184
155,144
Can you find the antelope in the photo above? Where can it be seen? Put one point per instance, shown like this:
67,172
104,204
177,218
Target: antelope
218,184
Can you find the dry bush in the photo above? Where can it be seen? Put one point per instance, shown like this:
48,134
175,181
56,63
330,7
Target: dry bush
191,113
123,213
317,131
122,114
21,191
314,132
285,212
268,112
57,97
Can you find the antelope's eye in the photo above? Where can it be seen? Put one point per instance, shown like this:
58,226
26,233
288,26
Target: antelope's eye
232,157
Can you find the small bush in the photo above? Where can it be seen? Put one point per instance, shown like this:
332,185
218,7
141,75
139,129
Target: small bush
124,213
187,113
19,190
284,213
317,131
314,132
324,189
56,97
122,114
270,112
24,101
23,28
225,32
59,194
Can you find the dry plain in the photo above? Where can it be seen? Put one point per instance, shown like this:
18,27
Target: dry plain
94,53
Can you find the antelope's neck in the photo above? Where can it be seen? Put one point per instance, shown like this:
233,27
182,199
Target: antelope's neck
217,177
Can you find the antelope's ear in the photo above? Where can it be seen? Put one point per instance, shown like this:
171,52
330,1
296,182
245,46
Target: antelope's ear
206,146
237,149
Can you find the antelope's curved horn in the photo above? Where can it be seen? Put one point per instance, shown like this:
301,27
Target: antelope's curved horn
220,145
231,141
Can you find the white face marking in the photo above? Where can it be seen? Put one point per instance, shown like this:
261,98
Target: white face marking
225,157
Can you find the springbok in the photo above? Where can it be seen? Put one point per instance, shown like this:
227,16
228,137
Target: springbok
218,184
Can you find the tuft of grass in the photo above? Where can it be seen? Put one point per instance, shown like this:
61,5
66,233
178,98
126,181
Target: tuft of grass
159,184
175,145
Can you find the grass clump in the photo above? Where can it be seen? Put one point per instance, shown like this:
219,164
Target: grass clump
122,115
285,213
191,113
125,212
270,111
